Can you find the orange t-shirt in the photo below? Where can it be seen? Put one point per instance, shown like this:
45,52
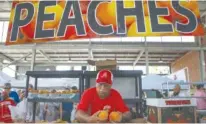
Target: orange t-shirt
90,99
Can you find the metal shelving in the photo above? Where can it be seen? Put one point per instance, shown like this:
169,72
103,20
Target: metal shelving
52,74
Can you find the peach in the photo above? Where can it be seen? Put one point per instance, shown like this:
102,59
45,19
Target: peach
132,29
103,115
114,117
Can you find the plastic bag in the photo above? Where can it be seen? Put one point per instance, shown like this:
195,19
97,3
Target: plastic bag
72,118
18,112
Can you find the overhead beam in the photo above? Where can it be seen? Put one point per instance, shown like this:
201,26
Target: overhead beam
90,52
118,59
9,68
138,57
91,56
4,19
5,11
4,15
5,57
84,63
107,46
120,55
33,60
15,61
45,55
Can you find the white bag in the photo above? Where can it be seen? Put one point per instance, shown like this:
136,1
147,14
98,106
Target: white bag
73,113
18,112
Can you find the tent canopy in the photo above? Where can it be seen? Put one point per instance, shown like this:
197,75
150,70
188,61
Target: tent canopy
153,81
54,82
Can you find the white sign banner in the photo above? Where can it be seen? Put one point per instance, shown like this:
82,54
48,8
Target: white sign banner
181,75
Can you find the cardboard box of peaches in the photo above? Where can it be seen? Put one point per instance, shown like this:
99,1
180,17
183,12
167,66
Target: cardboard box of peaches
104,64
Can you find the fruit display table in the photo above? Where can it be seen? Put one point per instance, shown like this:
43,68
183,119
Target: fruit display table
171,110
35,96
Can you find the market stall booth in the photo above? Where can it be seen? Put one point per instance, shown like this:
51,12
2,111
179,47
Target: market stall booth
124,81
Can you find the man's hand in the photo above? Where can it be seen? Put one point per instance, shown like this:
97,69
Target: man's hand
94,118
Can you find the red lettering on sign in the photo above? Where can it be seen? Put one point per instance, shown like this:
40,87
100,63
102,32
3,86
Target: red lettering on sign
178,102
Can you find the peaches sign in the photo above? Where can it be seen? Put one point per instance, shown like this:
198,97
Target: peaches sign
44,21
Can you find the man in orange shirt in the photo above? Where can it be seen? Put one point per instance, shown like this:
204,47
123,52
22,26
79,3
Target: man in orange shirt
97,98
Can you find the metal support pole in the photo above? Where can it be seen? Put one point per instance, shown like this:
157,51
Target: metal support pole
35,103
146,57
1,64
90,55
33,59
202,61
2,34
27,93
35,85
147,61
27,86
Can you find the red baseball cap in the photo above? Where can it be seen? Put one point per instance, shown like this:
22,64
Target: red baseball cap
104,76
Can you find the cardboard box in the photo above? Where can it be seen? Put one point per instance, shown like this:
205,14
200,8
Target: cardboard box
105,64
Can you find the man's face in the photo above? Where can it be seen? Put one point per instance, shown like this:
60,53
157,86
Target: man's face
7,90
103,89
4,95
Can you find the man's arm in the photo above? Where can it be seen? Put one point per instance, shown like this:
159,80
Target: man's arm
82,108
82,116
121,107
